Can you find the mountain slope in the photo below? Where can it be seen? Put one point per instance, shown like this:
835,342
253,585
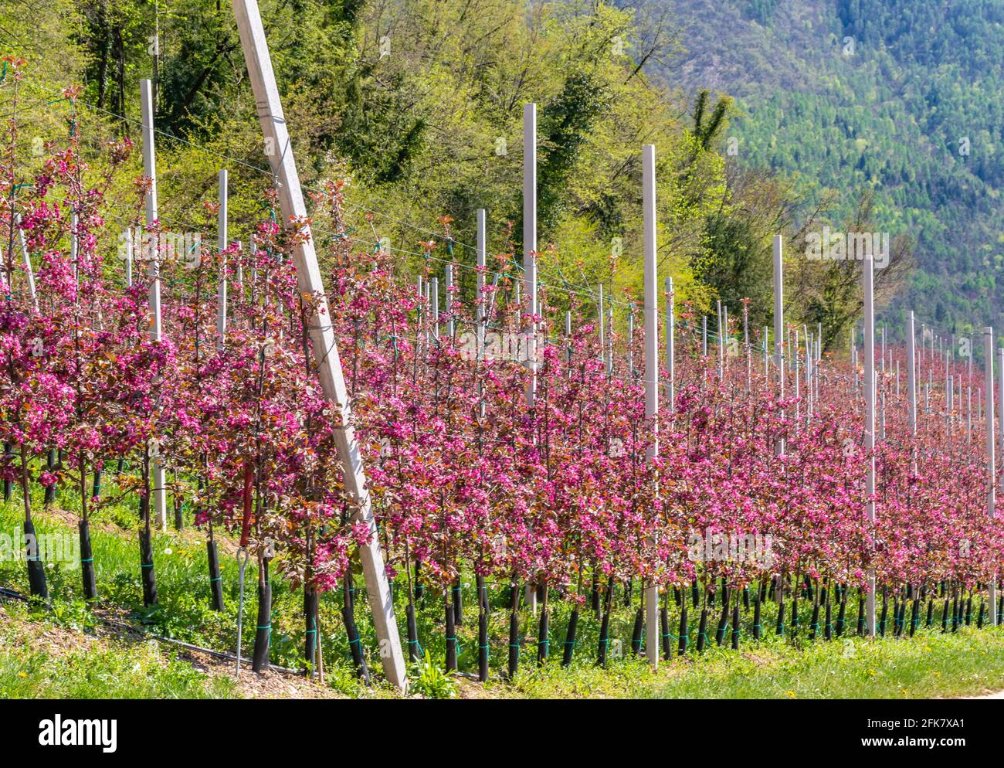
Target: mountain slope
898,96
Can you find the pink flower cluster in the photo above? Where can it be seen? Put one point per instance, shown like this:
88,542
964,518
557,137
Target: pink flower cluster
463,471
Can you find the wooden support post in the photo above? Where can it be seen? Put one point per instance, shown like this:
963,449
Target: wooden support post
325,349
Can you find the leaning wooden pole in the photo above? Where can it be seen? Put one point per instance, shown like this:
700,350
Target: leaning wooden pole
322,335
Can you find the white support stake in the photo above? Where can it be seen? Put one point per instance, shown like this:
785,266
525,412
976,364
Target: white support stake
129,256
254,268
1000,404
868,273
883,351
630,341
482,260
1000,415
746,347
221,298
798,382
766,355
988,357
568,340
603,342
74,249
428,313
911,383
610,342
808,373
450,324
434,299
721,343
779,334
153,256
530,268
725,326
28,271
332,379
671,344
530,240
652,627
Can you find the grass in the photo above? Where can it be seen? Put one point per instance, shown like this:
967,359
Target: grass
33,666
931,664
183,611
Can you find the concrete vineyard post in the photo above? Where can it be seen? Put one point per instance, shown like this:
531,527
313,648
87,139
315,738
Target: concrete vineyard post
670,345
868,272
779,334
480,299
651,370
308,275
988,357
153,256
528,325
221,298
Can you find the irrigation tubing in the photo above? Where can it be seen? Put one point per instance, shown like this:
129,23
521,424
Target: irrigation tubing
10,594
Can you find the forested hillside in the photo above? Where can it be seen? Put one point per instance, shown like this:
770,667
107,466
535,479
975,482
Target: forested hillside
418,105
897,97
